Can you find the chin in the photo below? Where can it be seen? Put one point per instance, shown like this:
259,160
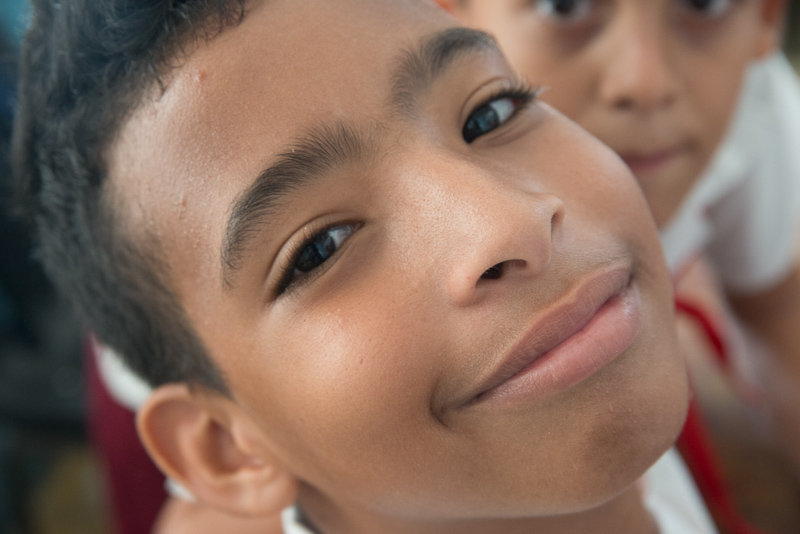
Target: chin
625,436
636,427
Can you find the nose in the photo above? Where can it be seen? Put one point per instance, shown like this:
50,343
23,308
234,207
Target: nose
500,237
637,75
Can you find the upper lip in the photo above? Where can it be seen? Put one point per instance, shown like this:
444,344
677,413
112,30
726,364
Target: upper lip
563,319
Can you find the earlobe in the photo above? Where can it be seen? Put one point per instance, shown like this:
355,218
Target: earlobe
204,442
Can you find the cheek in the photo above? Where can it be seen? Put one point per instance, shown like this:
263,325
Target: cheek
569,81
521,46
715,71
348,388
524,41
716,94
600,185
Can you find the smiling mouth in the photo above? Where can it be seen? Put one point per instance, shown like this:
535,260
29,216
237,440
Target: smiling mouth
590,327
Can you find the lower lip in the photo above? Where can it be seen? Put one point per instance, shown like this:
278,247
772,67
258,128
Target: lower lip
611,331
643,165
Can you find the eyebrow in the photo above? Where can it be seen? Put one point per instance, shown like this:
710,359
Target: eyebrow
419,68
329,147
320,152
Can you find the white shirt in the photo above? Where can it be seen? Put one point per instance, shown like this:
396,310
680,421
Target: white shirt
745,209
672,498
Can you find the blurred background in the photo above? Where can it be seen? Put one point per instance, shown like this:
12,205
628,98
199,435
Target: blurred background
51,481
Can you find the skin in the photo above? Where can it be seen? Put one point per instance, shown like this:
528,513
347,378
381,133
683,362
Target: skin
658,82
356,381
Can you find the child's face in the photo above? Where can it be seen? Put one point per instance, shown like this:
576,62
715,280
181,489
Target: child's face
656,80
387,278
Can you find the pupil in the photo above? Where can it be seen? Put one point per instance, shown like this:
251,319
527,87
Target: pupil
316,253
700,4
482,121
564,7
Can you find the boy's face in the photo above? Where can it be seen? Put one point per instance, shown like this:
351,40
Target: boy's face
387,279
656,80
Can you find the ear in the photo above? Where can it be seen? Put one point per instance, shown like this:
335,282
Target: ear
207,444
773,18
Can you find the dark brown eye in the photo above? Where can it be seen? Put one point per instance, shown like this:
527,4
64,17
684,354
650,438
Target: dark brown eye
496,111
314,252
488,117
563,7
708,8
564,11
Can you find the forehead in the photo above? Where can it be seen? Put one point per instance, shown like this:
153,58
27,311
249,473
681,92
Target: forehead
286,65
234,102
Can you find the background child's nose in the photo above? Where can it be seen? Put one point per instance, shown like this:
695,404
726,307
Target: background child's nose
637,75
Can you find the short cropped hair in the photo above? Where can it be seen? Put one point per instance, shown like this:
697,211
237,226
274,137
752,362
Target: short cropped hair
85,66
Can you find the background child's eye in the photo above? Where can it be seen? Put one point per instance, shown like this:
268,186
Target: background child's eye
315,251
496,112
708,8
564,11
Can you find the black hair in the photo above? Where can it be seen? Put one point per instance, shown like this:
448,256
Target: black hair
85,65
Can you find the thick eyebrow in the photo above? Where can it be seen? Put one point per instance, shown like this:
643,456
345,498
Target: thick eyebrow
320,152
419,68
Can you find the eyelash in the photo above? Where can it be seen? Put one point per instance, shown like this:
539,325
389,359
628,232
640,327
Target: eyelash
518,91
288,280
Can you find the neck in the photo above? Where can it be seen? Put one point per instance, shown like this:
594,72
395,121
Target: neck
625,513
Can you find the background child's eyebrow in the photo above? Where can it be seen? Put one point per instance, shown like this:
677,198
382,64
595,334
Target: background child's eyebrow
419,68
321,151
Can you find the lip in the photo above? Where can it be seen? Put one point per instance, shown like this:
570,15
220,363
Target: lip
593,324
650,161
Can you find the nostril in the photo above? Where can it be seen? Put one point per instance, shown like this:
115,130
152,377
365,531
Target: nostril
493,273
625,104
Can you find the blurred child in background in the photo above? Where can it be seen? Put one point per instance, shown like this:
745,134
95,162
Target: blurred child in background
696,99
